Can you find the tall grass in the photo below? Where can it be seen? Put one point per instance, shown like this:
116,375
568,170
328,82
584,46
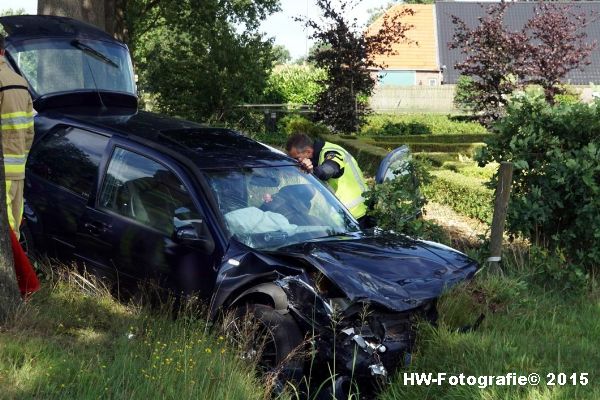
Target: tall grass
527,329
74,341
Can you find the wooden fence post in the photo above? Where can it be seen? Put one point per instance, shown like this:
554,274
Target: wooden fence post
500,208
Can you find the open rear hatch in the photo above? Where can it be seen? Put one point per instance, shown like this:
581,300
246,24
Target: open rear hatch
69,63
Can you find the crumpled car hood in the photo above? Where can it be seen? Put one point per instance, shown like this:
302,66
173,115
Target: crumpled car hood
394,271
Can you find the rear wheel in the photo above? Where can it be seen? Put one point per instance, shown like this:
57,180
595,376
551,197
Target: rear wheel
26,240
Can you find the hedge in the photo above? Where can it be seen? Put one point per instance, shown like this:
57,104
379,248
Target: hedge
416,124
466,195
470,168
437,159
479,138
463,148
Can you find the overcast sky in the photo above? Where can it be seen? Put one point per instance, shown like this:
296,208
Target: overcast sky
30,6
281,26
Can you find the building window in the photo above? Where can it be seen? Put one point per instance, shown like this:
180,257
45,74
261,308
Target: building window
433,82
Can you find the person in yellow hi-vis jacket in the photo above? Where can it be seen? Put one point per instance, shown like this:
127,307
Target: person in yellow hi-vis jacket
335,166
16,123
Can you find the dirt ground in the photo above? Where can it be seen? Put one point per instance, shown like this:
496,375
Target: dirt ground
463,231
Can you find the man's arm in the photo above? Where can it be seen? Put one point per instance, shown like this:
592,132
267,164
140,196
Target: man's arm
331,168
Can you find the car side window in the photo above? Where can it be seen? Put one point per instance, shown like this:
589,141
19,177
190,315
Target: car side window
142,189
69,157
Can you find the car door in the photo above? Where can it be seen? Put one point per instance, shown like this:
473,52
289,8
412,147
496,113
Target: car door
61,171
138,225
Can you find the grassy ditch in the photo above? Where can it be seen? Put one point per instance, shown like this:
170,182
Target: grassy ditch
527,329
74,341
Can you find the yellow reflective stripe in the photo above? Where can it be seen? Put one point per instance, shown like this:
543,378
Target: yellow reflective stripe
355,202
17,126
348,161
14,169
11,219
16,114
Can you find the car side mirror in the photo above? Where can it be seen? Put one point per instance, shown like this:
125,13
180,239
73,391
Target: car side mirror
188,235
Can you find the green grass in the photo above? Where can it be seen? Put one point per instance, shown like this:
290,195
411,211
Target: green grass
527,329
69,343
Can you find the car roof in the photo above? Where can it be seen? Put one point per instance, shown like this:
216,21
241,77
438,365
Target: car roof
207,147
24,27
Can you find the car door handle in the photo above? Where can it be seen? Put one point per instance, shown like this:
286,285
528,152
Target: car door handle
96,228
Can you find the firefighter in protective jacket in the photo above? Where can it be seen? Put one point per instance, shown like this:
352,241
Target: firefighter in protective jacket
16,123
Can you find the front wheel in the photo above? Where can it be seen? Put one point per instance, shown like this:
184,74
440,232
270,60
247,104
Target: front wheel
272,337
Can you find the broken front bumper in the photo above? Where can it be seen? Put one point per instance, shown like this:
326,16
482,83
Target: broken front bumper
374,348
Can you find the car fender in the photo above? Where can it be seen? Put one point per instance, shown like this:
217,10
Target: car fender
264,292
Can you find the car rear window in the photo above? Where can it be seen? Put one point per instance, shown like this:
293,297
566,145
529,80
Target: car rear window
68,157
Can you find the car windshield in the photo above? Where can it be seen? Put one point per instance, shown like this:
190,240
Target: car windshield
59,65
277,206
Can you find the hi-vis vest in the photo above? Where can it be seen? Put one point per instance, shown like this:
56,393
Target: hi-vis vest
16,121
349,187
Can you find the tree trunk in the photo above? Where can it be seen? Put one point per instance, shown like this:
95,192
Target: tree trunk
9,290
107,15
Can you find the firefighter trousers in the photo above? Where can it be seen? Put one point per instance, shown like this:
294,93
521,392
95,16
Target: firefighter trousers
14,203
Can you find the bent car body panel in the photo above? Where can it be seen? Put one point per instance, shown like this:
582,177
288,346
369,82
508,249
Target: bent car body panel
393,271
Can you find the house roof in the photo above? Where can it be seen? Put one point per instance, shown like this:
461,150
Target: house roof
422,53
515,18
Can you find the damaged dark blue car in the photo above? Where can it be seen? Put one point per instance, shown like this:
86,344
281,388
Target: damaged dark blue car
135,196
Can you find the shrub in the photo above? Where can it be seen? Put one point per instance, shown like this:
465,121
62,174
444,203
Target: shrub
297,84
395,204
552,269
465,94
291,124
404,128
556,184
414,124
467,196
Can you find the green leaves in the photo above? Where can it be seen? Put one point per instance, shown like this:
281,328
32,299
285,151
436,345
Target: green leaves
201,59
296,84
395,204
556,183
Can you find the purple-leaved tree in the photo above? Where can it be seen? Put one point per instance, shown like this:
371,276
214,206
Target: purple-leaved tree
494,60
498,61
347,53
558,46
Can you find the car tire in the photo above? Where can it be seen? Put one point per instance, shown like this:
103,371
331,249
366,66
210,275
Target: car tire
26,241
283,338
